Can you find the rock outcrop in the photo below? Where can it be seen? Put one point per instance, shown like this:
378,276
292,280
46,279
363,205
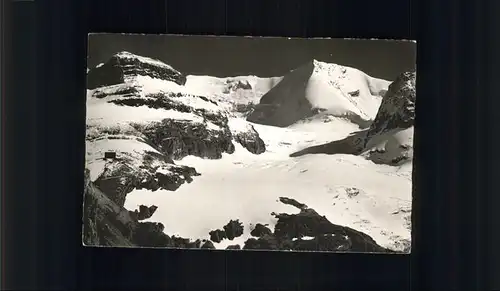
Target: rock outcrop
389,139
177,102
208,245
105,223
260,230
150,171
309,231
180,138
234,85
144,212
398,106
193,124
250,140
124,65
245,134
233,229
217,235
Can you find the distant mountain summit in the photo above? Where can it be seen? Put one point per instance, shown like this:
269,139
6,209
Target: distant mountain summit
124,65
320,88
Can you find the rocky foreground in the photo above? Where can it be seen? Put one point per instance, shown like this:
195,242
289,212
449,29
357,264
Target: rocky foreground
107,223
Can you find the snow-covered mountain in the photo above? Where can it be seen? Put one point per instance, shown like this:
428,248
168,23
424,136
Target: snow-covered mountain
319,88
389,139
239,90
224,162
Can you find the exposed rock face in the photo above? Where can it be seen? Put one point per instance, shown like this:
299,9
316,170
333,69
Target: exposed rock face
124,90
143,212
108,224
389,139
326,236
217,235
275,108
120,177
196,125
245,109
267,242
124,64
309,231
251,140
150,234
180,138
317,87
260,230
398,106
173,101
245,134
293,202
208,245
235,85
233,229
194,138
105,223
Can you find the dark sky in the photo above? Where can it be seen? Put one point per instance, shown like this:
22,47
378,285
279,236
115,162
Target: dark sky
232,56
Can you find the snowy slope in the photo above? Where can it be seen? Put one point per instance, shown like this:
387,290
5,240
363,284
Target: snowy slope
315,104
231,91
150,93
389,138
246,187
319,87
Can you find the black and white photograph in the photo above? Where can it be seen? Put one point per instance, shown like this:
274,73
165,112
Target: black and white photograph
249,143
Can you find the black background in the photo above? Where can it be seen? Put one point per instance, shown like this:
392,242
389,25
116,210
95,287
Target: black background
43,119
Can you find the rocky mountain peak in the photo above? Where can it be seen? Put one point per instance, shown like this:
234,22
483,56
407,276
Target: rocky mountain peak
123,66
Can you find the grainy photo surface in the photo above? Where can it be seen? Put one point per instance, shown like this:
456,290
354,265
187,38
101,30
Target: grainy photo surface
249,143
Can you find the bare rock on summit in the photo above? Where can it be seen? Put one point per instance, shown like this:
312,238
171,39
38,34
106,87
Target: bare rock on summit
125,64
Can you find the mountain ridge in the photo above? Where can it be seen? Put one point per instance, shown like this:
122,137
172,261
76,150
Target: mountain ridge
389,139
163,124
315,87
